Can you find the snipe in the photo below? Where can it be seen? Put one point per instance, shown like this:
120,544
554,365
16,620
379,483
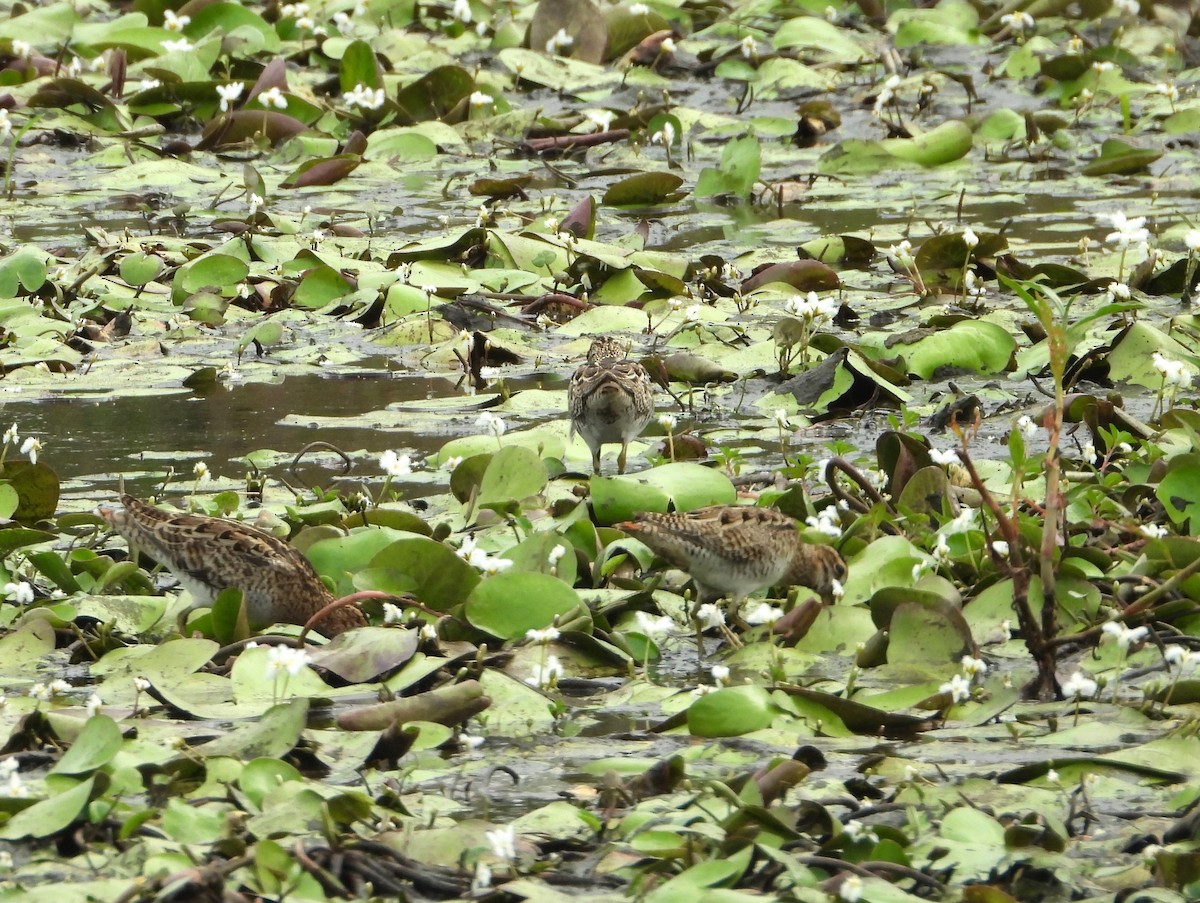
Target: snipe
610,399
733,550
211,554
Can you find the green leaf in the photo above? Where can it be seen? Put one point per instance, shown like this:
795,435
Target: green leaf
512,603
731,712
97,744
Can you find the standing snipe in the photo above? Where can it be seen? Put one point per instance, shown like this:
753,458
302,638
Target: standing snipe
735,549
610,399
210,554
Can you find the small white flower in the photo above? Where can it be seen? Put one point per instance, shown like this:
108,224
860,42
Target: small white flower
543,636
666,45
173,22
1080,686
1191,240
471,741
651,626
39,691
272,97
1000,547
428,633
286,658
764,613
559,42
10,435
1118,291
1026,425
362,96
230,93
1126,232
720,674
556,555
1099,68
973,667
1018,21
493,566
395,465
200,470
639,9
93,705
781,418
482,879
749,47
664,136
709,616
1153,531
668,422
256,201
141,684
59,687
601,120
392,614
546,676
937,456
452,462
836,591
11,783
22,49
481,99
1174,373
20,593
827,521
970,239
1125,636
1177,655
1167,89
503,842
851,889
462,11
343,23
183,45
31,447
856,830
491,423
958,687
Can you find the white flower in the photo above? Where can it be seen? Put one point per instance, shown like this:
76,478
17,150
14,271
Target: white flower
21,48
958,687
667,45
200,470
692,314
1118,291
10,435
970,239
547,675
392,614
851,888
1191,239
668,422
343,23
639,9
39,691
963,521
256,201
664,136
272,97
781,418
286,658
1153,531
1177,655
141,684
1174,373
937,456
503,842
1167,89
1126,232
183,45
710,615
856,830
395,465
11,783
561,41
720,674
601,120
491,423
471,741
362,96
973,667
1125,636
93,705
1079,686
827,521
229,93
31,447
493,566
19,593
1018,21
173,22
543,636
293,10
481,99
462,11
836,590
764,613
59,687
556,555
749,47
1026,425
1000,547
1099,68
651,626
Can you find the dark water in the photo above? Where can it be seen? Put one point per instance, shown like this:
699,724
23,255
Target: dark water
91,442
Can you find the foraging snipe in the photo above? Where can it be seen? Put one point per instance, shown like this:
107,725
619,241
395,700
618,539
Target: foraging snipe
610,399
736,549
210,554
